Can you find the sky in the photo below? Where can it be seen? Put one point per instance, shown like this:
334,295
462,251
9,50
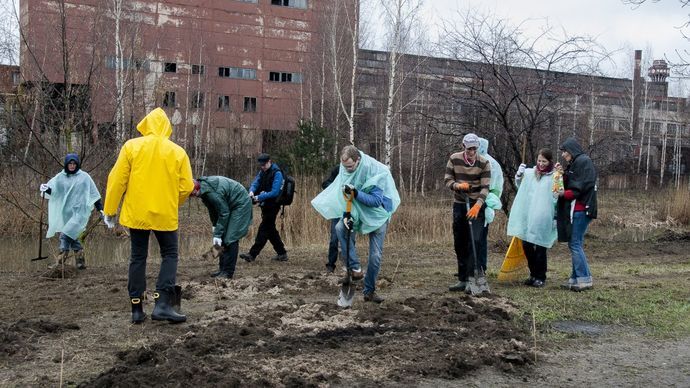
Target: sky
613,24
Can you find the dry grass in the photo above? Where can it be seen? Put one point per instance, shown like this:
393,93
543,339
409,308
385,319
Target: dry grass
676,205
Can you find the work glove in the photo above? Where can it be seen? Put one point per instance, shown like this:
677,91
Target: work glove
217,241
521,170
43,187
348,222
464,186
109,221
350,189
474,211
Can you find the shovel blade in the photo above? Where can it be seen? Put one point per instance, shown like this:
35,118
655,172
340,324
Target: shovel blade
347,294
39,258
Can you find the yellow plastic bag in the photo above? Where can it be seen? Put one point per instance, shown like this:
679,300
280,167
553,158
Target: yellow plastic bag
514,266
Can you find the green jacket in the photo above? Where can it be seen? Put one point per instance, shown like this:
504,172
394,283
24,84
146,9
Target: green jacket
229,207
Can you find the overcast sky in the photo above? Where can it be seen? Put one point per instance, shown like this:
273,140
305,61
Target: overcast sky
614,25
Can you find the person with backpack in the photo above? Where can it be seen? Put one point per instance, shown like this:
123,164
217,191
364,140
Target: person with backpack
230,209
268,183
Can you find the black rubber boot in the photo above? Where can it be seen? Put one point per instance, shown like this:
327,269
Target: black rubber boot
138,315
79,259
163,311
177,299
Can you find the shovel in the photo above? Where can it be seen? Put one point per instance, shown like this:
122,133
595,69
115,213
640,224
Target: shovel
347,289
477,284
40,233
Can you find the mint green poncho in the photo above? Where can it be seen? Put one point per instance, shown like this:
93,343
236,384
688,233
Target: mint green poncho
532,214
71,201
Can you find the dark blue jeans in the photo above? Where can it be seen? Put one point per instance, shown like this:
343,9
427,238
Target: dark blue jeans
462,241
167,241
268,232
333,244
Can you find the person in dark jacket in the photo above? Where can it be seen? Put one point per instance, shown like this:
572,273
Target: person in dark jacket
267,183
576,208
230,209
333,243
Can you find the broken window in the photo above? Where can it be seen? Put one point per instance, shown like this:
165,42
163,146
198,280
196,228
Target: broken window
170,67
250,104
236,72
197,100
169,100
16,78
276,76
198,69
291,3
224,103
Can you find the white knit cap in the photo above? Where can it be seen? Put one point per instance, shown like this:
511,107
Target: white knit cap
470,140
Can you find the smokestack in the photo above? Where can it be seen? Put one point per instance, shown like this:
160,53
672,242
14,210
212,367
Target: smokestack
637,89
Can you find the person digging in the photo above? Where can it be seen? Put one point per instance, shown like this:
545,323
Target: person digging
230,209
374,200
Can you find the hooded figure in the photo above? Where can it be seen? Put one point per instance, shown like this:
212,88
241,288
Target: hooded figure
155,178
493,200
230,209
73,195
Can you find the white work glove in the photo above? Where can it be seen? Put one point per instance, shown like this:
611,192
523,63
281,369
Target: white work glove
217,241
109,221
521,170
43,187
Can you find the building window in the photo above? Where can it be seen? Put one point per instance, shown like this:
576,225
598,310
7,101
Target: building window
197,100
16,78
291,3
623,126
170,67
606,124
136,64
276,76
169,100
198,69
224,103
250,104
236,72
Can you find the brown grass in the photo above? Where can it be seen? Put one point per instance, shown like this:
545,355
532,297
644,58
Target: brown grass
676,205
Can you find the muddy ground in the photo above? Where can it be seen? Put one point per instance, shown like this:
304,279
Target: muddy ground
277,324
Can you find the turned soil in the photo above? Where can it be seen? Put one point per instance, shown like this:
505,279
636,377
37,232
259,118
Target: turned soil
277,324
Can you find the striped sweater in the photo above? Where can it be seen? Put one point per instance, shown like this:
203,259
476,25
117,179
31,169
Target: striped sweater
478,176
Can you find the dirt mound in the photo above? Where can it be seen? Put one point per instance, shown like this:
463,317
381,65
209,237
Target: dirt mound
312,344
17,339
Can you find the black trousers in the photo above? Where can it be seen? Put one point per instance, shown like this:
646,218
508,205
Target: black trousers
228,259
267,231
462,241
536,260
167,241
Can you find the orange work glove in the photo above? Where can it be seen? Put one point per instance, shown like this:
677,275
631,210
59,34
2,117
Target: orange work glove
474,211
464,186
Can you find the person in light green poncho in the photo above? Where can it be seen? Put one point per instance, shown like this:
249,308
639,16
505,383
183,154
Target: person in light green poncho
532,215
375,200
493,200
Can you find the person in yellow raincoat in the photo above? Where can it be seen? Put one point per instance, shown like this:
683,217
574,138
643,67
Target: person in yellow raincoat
155,178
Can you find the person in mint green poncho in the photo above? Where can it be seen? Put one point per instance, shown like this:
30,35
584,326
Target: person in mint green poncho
493,200
375,201
532,215
72,196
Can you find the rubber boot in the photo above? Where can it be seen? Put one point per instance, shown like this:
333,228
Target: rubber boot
177,299
163,311
138,315
79,259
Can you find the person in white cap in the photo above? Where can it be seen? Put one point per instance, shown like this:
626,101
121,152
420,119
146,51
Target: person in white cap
468,175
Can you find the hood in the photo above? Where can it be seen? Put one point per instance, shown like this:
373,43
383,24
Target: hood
572,146
72,158
483,146
155,123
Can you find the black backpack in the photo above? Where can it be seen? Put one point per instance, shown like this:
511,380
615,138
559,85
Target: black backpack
287,190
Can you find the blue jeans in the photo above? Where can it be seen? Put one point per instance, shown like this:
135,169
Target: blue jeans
375,253
580,272
67,243
167,241
333,244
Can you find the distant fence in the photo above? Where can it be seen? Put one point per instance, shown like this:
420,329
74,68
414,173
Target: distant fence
623,182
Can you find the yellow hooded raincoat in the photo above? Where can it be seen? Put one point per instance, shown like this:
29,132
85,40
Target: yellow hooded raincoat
153,174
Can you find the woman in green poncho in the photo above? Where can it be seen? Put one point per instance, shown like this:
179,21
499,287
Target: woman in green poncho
230,209
532,215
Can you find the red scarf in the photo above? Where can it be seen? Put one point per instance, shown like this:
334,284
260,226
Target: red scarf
538,172
467,161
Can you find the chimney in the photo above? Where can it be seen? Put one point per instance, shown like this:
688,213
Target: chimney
637,89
